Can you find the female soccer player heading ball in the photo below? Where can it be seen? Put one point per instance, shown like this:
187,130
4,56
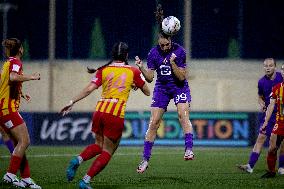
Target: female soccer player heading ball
168,59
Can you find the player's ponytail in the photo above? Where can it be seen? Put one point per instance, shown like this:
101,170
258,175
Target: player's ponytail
119,53
159,14
11,46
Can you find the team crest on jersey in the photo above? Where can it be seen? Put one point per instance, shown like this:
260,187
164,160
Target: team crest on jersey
165,61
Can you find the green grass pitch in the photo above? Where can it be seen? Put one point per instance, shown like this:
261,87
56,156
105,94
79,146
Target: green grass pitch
211,168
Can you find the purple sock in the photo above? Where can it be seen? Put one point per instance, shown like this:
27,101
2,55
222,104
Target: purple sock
188,142
281,161
147,150
253,159
10,145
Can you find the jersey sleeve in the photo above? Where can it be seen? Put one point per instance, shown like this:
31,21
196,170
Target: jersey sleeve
260,89
15,66
138,79
151,60
97,79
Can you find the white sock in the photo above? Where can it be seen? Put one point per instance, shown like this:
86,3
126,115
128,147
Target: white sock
249,166
80,159
87,179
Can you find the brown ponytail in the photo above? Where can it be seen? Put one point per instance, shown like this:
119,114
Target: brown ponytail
159,14
11,46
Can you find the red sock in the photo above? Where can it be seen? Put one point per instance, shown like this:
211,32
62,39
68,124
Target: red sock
271,161
15,163
91,151
99,164
25,168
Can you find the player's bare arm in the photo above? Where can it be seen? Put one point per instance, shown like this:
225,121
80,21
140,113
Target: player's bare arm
268,113
27,97
180,73
147,73
84,93
261,103
21,78
145,89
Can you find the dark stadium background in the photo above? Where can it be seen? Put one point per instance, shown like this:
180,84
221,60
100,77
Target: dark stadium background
257,25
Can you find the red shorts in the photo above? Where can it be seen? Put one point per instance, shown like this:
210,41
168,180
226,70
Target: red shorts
278,129
108,125
11,121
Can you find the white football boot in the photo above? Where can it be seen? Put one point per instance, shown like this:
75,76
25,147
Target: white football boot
142,166
29,183
281,171
188,155
12,179
245,168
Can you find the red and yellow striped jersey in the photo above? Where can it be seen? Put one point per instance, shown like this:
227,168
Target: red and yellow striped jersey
278,94
10,92
116,81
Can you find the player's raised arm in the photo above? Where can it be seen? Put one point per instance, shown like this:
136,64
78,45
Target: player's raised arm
147,73
180,73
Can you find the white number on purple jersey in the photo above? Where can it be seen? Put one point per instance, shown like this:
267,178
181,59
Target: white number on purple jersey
165,70
182,97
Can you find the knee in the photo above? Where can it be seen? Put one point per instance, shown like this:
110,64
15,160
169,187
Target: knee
272,150
25,142
154,124
183,119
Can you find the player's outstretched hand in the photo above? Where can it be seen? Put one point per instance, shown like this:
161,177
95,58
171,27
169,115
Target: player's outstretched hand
138,62
35,76
26,97
64,111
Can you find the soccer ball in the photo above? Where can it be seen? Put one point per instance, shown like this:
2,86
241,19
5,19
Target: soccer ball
171,25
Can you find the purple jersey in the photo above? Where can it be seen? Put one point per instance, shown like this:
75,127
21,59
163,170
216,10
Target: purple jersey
168,86
264,90
265,86
160,61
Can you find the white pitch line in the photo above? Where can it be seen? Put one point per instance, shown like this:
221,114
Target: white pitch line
116,154
70,155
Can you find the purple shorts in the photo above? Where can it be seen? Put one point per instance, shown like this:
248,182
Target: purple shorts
162,97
